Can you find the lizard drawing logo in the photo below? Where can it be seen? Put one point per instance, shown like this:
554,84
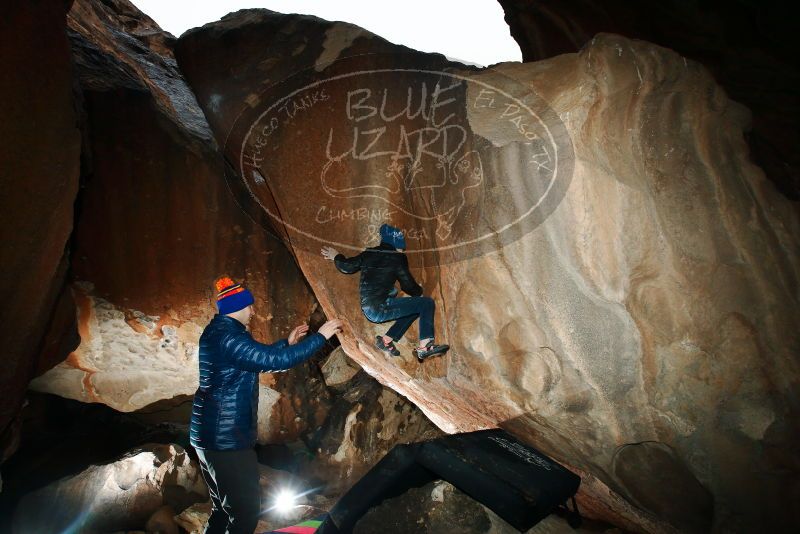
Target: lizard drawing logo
462,166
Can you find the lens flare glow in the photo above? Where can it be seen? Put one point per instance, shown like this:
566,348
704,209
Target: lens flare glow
285,501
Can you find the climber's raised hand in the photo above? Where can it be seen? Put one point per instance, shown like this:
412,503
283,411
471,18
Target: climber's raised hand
329,253
330,328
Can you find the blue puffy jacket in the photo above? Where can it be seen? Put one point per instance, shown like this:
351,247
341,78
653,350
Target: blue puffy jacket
226,403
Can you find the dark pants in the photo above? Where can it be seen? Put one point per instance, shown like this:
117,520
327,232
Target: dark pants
405,310
232,479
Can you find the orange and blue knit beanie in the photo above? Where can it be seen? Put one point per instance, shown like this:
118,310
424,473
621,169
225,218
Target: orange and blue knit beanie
232,297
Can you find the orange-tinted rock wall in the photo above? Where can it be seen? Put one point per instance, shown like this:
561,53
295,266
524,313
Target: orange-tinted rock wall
39,168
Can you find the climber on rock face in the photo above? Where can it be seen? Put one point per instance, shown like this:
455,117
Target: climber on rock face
380,268
223,423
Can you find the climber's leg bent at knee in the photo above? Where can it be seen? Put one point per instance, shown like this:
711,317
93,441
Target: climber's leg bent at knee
381,267
405,311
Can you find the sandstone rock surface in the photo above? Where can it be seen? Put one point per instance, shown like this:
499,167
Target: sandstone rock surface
121,495
40,149
363,425
162,521
127,362
157,224
746,46
338,369
654,299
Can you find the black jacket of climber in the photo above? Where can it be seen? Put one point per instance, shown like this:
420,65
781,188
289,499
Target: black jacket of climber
380,268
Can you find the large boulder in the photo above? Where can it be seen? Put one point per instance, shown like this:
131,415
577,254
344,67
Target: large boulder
156,224
122,495
125,360
747,46
617,280
158,221
364,423
40,147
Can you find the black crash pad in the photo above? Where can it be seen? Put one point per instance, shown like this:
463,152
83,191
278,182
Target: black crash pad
517,482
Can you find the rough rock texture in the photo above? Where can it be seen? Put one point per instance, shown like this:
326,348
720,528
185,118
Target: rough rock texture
361,422
162,521
121,495
293,404
193,520
61,438
364,424
39,167
156,225
338,369
747,46
155,199
657,301
127,362
440,507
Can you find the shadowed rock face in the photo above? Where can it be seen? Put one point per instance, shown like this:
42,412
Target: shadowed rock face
435,507
39,157
156,224
115,496
440,507
746,46
363,425
655,301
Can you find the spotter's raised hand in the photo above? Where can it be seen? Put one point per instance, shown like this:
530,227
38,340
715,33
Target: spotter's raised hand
297,333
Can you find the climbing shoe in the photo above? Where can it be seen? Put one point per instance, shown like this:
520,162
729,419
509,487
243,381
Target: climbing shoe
386,347
430,350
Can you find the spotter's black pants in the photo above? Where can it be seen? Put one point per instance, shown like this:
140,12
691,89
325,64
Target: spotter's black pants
232,479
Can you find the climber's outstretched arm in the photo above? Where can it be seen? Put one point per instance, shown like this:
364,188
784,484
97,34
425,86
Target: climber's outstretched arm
345,265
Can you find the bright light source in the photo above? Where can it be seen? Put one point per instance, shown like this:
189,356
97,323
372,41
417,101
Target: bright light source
285,501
